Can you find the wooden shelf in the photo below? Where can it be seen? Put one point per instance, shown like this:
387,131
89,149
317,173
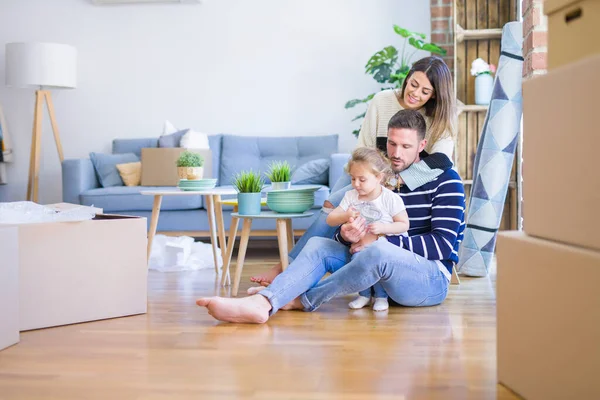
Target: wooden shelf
476,34
470,107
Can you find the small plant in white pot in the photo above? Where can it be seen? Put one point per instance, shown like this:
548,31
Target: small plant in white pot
189,166
280,175
484,80
249,185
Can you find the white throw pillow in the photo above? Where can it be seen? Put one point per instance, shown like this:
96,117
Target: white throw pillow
194,140
168,128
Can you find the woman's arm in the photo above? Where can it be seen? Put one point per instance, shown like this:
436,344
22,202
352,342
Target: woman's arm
368,129
431,167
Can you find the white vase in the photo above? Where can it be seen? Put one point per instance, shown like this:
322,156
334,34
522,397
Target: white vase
484,85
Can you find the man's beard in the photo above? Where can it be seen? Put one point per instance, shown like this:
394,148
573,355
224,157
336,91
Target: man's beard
403,167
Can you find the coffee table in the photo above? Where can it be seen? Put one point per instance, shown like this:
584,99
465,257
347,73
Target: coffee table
212,198
285,240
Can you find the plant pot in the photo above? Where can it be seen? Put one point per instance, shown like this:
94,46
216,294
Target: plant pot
190,173
249,203
281,185
484,86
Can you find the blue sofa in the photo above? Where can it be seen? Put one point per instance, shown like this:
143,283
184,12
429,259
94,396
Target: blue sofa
230,154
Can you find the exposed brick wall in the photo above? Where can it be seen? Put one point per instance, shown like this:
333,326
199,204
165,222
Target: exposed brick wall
535,38
442,28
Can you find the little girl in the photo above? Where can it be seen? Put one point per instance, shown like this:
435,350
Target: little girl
367,168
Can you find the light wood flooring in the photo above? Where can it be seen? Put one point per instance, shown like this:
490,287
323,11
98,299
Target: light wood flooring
177,351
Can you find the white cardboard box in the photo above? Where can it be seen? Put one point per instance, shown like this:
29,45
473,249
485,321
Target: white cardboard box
9,287
71,272
548,309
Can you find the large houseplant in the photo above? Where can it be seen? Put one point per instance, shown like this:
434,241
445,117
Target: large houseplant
189,165
391,65
249,185
280,175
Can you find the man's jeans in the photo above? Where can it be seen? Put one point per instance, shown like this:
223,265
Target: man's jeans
408,279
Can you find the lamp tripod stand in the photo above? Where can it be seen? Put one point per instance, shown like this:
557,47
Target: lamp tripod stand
41,96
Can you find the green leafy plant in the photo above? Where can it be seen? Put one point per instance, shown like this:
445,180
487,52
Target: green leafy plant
189,159
391,66
248,182
279,171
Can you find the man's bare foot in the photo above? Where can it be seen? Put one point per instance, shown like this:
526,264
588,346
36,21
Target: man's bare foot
295,304
250,310
255,289
267,277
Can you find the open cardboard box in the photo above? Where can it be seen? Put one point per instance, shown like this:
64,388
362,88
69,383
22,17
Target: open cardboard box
71,272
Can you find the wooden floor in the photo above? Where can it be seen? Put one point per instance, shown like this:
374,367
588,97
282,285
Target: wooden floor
177,351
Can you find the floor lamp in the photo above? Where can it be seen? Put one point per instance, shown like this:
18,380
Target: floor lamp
42,66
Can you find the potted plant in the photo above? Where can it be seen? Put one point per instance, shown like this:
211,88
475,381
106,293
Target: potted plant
249,185
390,66
484,81
280,175
189,166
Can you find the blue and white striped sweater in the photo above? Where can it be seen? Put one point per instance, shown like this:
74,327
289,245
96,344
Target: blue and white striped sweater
436,211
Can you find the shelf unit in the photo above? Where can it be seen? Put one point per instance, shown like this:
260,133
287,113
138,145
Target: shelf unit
477,33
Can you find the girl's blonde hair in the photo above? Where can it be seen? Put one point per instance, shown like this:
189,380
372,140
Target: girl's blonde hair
441,108
373,158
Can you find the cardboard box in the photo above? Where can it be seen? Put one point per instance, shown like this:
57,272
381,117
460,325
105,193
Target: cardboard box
72,272
572,30
9,287
548,308
71,206
159,165
561,135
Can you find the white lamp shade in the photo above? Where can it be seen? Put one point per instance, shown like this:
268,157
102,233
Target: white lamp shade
51,65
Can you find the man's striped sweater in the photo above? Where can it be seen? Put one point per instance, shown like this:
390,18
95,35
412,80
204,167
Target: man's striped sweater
436,211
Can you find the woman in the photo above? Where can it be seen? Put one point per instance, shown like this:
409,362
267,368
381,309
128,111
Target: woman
427,88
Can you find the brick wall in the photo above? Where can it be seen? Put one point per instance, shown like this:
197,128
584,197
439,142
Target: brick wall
442,28
535,38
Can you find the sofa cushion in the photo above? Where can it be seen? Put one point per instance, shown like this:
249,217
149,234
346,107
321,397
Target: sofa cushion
134,146
313,172
128,198
105,166
171,140
250,152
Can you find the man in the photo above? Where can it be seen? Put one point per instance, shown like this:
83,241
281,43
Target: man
413,270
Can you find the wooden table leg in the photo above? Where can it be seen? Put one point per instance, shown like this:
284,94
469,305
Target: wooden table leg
282,241
454,279
210,208
290,234
220,225
153,223
241,255
230,244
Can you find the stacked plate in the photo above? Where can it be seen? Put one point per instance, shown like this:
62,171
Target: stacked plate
197,184
291,200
